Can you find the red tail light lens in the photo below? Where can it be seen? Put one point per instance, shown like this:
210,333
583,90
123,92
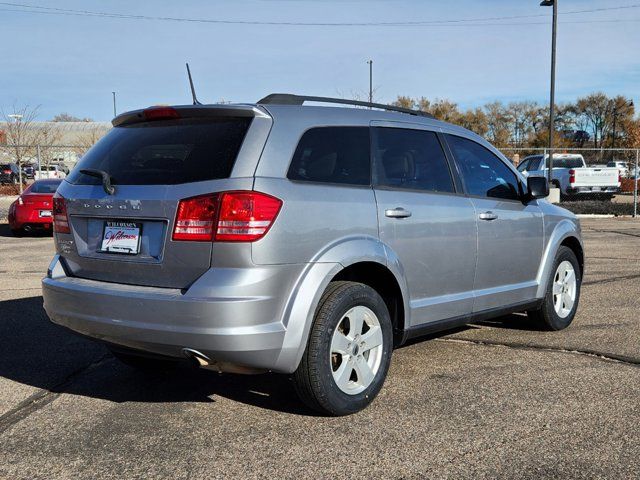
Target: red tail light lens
60,217
572,176
160,113
7,172
195,218
246,216
226,217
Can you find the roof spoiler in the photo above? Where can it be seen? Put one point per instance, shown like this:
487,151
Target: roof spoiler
290,99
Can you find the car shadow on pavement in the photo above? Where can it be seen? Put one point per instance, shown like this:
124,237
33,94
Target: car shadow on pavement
5,231
515,321
35,352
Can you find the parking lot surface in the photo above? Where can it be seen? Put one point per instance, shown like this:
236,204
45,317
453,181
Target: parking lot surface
499,399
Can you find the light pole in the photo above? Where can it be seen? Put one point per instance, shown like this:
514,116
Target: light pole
554,4
370,62
114,105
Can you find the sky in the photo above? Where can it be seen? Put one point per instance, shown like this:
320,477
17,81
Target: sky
64,62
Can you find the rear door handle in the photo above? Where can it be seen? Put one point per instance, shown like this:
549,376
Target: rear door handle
488,216
397,212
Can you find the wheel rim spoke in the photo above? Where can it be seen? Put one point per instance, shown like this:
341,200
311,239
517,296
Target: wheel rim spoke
371,339
356,321
557,288
340,344
343,374
364,372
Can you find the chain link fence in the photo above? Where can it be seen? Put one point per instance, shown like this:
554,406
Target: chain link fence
585,177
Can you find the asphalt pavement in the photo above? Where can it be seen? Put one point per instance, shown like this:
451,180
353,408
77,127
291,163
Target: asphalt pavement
499,399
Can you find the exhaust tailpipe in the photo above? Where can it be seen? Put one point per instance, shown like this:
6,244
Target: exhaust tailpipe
198,358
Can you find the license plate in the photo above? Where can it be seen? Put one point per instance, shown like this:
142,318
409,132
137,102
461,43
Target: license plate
596,189
44,213
121,237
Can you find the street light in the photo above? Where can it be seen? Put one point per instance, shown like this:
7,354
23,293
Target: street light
554,4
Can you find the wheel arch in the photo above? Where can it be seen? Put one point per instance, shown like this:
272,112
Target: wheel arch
566,233
360,259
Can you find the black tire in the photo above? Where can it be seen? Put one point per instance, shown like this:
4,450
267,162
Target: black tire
313,379
144,363
546,315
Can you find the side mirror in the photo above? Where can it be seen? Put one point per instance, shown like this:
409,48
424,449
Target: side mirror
537,187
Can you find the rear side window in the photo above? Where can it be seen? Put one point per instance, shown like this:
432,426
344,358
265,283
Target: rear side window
333,155
165,152
483,173
411,159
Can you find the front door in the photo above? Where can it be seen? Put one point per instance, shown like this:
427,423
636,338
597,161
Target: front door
510,232
429,226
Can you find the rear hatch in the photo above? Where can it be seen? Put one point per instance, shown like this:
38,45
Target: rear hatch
153,158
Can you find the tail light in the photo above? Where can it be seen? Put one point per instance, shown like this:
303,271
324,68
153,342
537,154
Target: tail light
619,176
60,217
160,113
7,172
226,217
195,217
572,176
246,216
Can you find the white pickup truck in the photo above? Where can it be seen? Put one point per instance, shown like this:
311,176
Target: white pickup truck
51,171
572,176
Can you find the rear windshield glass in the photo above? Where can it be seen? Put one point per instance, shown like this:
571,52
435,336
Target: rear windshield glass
45,187
575,162
165,152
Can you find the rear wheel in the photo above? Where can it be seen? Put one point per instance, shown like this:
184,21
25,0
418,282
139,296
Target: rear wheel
563,292
349,350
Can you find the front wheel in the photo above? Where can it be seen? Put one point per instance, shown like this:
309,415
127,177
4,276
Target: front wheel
563,292
349,350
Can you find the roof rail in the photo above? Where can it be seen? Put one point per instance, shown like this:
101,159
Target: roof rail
290,99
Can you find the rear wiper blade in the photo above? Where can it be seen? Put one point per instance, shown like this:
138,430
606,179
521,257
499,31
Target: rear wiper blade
104,176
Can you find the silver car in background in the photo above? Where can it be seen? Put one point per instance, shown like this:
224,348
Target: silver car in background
305,240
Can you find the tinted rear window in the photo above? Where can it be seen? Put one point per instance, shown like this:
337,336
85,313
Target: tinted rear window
566,162
44,187
166,152
333,155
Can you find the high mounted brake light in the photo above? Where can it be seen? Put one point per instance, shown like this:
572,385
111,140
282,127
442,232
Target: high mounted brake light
60,217
160,113
242,216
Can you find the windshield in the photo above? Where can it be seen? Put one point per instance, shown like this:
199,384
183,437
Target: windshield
165,152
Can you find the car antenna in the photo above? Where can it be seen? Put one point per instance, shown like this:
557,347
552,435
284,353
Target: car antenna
193,90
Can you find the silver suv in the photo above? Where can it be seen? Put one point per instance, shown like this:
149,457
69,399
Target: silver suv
305,240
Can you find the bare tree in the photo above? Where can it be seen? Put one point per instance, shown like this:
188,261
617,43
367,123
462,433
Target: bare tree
88,138
20,134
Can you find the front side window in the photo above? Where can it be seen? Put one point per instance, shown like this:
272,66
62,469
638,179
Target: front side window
333,155
411,159
483,173
524,166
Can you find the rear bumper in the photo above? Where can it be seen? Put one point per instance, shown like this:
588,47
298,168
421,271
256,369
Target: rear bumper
244,331
23,215
591,191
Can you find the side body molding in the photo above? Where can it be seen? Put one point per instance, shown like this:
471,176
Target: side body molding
304,298
562,230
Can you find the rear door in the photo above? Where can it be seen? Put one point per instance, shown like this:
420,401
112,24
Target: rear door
126,237
510,232
425,220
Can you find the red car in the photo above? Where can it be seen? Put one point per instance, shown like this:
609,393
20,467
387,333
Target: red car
33,209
